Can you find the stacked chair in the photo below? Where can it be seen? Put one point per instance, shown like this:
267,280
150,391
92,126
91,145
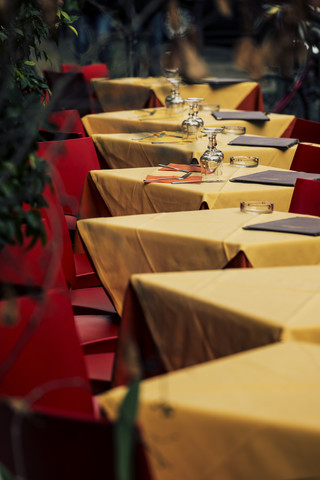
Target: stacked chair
306,131
306,197
62,125
71,89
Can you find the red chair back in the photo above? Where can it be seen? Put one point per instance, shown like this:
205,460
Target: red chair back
306,197
95,70
40,354
55,446
66,124
306,131
71,160
69,91
306,159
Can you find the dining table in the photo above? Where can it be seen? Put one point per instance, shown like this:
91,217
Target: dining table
125,191
179,319
146,149
136,92
254,414
160,119
194,240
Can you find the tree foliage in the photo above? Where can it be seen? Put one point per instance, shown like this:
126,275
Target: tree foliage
23,176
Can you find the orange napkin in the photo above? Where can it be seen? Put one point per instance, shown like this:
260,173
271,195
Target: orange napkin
159,179
190,168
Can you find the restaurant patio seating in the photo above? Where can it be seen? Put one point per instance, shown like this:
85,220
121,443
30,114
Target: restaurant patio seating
69,91
70,161
95,70
62,125
55,446
306,158
306,197
306,131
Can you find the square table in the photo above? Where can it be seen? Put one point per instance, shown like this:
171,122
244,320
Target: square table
123,150
136,92
193,240
254,415
215,313
123,192
158,120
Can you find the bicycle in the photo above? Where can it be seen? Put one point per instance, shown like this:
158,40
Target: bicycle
298,92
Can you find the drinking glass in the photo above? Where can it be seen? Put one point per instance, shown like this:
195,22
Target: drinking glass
191,125
174,102
211,160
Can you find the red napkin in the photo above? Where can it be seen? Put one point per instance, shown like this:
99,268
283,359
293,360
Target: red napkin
159,179
190,168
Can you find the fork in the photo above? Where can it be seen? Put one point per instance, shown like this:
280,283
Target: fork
167,178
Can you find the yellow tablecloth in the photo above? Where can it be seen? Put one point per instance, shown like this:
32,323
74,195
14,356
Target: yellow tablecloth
180,241
254,415
122,150
211,314
124,193
157,120
133,92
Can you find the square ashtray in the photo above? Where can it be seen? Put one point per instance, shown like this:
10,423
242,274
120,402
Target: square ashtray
244,161
256,207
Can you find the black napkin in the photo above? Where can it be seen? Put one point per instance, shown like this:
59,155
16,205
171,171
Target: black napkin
220,82
274,177
256,141
299,225
250,116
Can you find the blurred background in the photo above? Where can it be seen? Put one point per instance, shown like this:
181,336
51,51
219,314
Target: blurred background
274,43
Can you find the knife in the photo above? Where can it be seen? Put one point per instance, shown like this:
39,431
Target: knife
200,181
173,168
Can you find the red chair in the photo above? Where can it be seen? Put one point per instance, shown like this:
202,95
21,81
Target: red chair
38,446
62,125
306,197
306,131
306,159
87,294
69,92
40,354
71,160
95,70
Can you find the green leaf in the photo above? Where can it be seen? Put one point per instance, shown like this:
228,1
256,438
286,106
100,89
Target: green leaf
65,15
73,29
5,474
125,431
19,31
29,62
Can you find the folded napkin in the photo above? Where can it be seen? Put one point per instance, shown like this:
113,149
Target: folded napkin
250,116
190,168
161,179
220,82
256,141
299,225
274,177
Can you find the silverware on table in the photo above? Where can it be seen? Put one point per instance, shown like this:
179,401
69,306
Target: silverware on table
167,178
173,168
200,181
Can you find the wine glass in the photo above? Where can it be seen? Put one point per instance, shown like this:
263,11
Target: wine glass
195,106
174,102
211,160
191,125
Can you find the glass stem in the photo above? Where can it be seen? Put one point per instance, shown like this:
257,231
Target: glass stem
212,142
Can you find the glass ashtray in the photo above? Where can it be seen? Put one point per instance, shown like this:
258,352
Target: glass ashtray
244,161
209,107
234,130
256,207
